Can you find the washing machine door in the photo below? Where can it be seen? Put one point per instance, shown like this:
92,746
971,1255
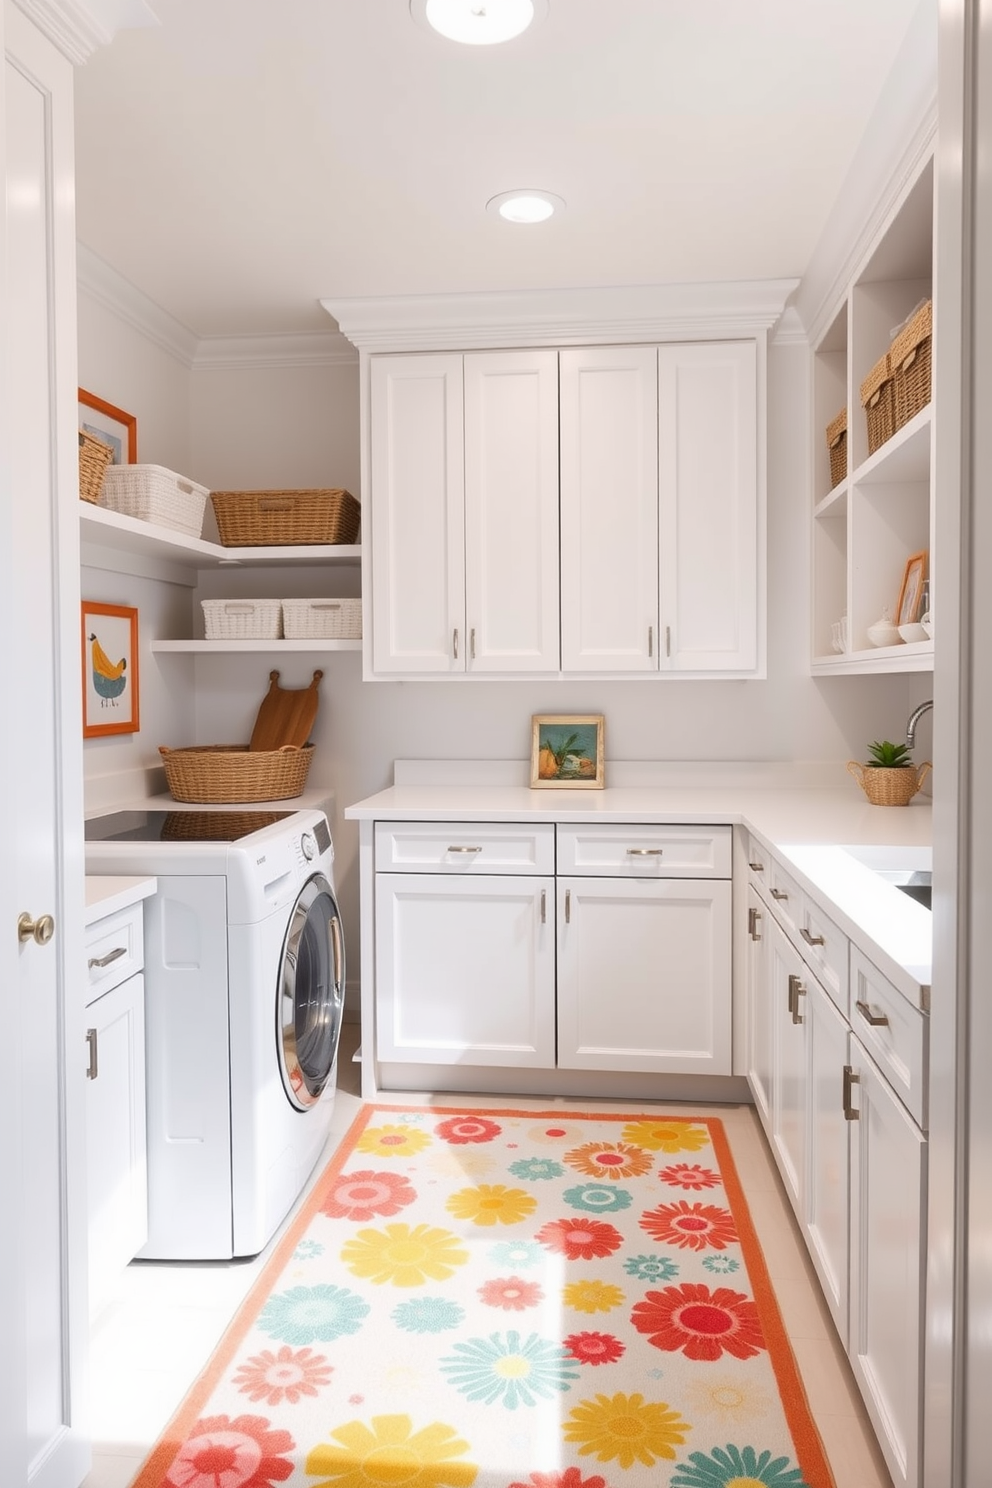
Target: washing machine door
311,994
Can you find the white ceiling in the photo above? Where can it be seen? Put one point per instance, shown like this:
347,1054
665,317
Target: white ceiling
247,158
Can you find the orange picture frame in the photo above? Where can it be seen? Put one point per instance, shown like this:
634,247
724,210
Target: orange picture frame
110,669
111,424
911,589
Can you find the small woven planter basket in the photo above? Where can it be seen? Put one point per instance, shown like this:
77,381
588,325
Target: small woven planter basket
94,457
889,787
233,773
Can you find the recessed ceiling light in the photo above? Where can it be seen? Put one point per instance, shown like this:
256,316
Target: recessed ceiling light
525,205
479,22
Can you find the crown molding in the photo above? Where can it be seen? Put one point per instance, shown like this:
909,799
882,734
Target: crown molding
560,317
304,349
96,278
790,330
79,27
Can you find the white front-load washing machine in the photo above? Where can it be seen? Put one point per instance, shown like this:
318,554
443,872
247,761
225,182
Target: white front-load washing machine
244,988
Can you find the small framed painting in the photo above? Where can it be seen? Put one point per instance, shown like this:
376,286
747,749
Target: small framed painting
112,425
911,591
110,669
567,751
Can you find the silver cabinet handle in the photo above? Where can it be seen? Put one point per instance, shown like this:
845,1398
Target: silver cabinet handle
454,643
756,867
471,643
93,1068
568,906
779,894
851,1113
456,848
877,1020
668,640
114,955
753,921
650,640
645,852
796,990
811,939
544,906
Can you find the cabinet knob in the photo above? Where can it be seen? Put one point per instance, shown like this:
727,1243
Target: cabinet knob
40,930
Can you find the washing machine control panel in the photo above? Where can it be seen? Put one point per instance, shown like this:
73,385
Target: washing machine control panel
308,846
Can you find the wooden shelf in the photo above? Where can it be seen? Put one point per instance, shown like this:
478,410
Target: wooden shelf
127,534
256,646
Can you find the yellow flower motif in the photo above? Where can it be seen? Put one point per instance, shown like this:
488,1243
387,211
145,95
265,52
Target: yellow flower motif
390,1452
404,1255
627,1428
666,1136
393,1141
727,1397
592,1296
492,1203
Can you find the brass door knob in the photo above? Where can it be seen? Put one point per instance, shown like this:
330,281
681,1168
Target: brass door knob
40,930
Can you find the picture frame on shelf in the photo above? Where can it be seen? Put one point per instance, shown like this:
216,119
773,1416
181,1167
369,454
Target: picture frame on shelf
911,589
567,751
110,669
111,424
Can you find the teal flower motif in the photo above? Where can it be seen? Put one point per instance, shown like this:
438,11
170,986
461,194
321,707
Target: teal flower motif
312,1314
651,1267
597,1198
536,1167
503,1369
514,1255
736,1464
307,1250
721,1264
427,1315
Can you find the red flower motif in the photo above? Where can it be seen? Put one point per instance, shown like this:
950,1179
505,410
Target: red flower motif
238,1454
594,1348
287,1375
570,1478
691,1226
510,1293
689,1175
363,1195
580,1239
703,1324
462,1129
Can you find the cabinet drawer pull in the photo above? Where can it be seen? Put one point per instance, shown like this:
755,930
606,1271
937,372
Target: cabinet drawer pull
811,939
779,894
454,644
464,849
753,921
650,640
544,906
756,867
645,852
668,640
93,1068
471,643
796,990
851,1113
568,906
114,955
877,1020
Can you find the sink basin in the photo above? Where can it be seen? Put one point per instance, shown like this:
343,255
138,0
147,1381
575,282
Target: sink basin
906,868
916,882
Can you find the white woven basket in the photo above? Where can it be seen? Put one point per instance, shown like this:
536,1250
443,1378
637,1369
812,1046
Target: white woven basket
322,619
153,494
242,619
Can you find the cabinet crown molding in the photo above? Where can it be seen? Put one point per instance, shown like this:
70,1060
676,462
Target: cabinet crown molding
78,27
562,317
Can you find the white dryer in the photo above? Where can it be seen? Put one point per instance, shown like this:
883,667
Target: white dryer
244,988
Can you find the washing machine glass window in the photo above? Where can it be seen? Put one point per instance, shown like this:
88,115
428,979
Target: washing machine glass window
311,994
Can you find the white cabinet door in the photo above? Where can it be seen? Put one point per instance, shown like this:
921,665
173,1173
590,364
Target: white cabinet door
609,509
117,1189
888,1202
465,969
644,975
787,994
708,533
827,1202
418,512
759,1008
511,511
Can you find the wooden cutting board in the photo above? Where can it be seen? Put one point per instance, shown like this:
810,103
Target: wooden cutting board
285,715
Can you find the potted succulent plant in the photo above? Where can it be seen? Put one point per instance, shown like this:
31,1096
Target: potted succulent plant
889,777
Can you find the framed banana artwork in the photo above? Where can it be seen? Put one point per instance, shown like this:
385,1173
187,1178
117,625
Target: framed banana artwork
110,669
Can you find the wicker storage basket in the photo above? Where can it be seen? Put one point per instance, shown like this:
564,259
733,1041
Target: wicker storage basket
322,619
889,787
153,494
232,772
94,457
837,447
910,358
262,519
879,403
242,619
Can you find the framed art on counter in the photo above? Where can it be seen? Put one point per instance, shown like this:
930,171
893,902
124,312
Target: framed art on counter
567,751
110,669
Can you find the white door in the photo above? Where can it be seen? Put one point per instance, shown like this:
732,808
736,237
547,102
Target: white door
418,514
465,969
609,509
759,1007
644,975
826,1217
708,510
511,511
786,980
43,1249
888,1202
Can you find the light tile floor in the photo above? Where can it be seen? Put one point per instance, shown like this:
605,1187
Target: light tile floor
186,1308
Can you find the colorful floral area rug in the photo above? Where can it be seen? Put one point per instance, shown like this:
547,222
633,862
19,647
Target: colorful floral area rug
507,1299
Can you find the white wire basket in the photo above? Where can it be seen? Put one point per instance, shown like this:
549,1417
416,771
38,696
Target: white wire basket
242,619
322,619
153,494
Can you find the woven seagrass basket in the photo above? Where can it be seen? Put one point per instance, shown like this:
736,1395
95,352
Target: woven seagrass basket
910,358
889,787
837,447
878,400
233,773
264,519
94,457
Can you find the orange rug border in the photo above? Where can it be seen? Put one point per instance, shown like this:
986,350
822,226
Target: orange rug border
810,1454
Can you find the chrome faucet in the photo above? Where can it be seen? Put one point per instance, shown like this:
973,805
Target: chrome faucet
914,719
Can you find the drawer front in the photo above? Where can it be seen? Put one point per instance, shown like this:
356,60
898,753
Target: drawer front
464,847
644,851
825,949
894,1032
785,896
114,950
758,863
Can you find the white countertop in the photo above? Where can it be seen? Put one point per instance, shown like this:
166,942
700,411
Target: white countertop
107,893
